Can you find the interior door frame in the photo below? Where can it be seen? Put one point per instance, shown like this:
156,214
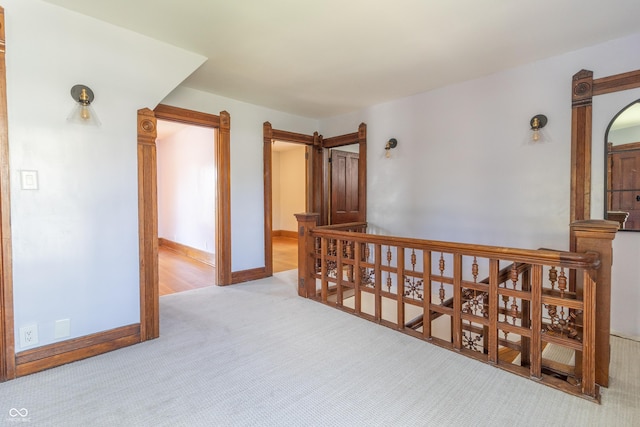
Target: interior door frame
7,341
584,88
148,204
318,181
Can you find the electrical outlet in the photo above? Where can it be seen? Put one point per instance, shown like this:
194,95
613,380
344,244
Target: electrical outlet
28,335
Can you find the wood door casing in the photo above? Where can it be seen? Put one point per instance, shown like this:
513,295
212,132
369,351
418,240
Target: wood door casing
345,206
318,198
7,344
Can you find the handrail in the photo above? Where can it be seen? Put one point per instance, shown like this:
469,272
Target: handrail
542,298
587,260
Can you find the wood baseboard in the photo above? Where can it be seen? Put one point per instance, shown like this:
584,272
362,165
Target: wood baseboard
285,233
247,275
61,353
197,254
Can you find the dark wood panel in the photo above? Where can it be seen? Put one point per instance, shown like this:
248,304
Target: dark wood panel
345,206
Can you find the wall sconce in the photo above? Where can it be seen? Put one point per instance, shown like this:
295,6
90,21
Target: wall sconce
392,143
82,112
537,122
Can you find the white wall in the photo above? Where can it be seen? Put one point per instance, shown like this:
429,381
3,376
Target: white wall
625,135
289,180
75,239
247,198
186,188
461,171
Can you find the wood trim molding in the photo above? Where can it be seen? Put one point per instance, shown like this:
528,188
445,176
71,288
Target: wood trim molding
584,88
50,356
148,225
7,345
362,171
267,162
342,140
194,253
268,136
616,83
223,201
286,136
247,275
148,205
190,117
317,182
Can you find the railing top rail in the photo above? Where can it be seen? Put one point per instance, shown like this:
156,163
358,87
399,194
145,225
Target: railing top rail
342,226
586,260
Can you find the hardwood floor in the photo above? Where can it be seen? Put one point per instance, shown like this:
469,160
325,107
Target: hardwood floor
285,253
180,273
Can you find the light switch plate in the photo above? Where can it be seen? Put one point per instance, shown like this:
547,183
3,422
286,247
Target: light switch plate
29,180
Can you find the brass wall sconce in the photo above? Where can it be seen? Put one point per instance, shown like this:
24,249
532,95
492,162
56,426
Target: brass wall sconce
392,143
537,122
82,112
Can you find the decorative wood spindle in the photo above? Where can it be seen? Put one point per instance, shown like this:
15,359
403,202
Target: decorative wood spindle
514,275
389,258
474,270
562,283
441,266
553,277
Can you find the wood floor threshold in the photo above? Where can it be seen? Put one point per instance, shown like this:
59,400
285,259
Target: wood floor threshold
61,353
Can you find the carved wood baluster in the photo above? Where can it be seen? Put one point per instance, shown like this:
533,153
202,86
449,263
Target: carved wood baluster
562,282
514,275
553,277
441,266
474,270
505,301
414,288
389,258
514,309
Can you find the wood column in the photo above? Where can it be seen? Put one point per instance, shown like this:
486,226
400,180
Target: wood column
597,236
148,225
306,262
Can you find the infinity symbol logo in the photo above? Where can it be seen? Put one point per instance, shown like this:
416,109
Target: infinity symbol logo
13,412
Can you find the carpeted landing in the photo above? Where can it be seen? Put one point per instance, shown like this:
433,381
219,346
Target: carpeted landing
255,354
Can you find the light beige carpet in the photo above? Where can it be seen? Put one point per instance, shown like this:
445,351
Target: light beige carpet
255,354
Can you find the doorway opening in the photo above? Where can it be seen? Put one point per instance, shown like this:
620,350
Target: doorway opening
186,206
318,181
289,195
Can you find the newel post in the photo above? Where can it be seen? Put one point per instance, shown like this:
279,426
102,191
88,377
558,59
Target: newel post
306,267
597,236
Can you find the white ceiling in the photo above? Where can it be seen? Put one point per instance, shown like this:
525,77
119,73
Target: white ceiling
327,57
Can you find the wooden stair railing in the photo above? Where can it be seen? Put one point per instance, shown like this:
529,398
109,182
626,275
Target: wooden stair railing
530,299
